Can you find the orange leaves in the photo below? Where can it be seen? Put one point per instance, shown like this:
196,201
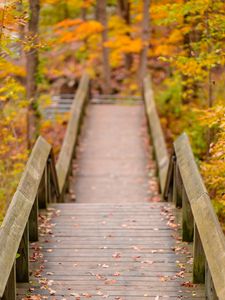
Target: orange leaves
77,30
73,3
87,3
67,23
123,39
86,29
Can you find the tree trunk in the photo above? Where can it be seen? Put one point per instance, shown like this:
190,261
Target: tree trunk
145,41
21,29
124,11
190,86
101,16
32,71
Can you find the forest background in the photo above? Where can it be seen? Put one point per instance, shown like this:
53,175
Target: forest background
46,45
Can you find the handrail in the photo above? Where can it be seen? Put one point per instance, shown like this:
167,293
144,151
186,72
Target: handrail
182,184
42,182
21,222
67,151
159,143
185,187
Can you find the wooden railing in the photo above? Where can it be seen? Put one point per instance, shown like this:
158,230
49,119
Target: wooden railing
185,187
158,140
64,163
41,183
182,184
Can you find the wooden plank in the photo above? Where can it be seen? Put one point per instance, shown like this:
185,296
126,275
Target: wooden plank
144,265
156,132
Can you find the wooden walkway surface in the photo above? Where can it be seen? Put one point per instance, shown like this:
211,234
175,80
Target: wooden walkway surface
114,242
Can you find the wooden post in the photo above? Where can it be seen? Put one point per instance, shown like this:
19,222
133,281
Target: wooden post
71,164
42,200
170,184
210,292
89,94
199,259
48,183
10,289
187,219
170,193
33,222
67,183
22,262
177,186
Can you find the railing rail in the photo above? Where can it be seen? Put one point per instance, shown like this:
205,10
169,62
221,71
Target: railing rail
63,165
182,184
185,187
159,143
21,221
42,182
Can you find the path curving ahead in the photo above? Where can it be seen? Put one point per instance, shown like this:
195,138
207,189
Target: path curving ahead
115,241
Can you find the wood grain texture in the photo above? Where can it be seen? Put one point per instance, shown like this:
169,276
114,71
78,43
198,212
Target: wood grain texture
156,132
122,263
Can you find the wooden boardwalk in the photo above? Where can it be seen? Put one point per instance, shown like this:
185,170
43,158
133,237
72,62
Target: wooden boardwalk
114,157
115,241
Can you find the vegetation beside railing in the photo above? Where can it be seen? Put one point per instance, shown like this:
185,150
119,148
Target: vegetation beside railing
41,183
182,184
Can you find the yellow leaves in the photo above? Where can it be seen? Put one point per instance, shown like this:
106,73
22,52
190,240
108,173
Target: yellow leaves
157,13
163,50
175,37
87,3
125,44
117,25
134,87
9,68
212,117
122,45
213,170
190,66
